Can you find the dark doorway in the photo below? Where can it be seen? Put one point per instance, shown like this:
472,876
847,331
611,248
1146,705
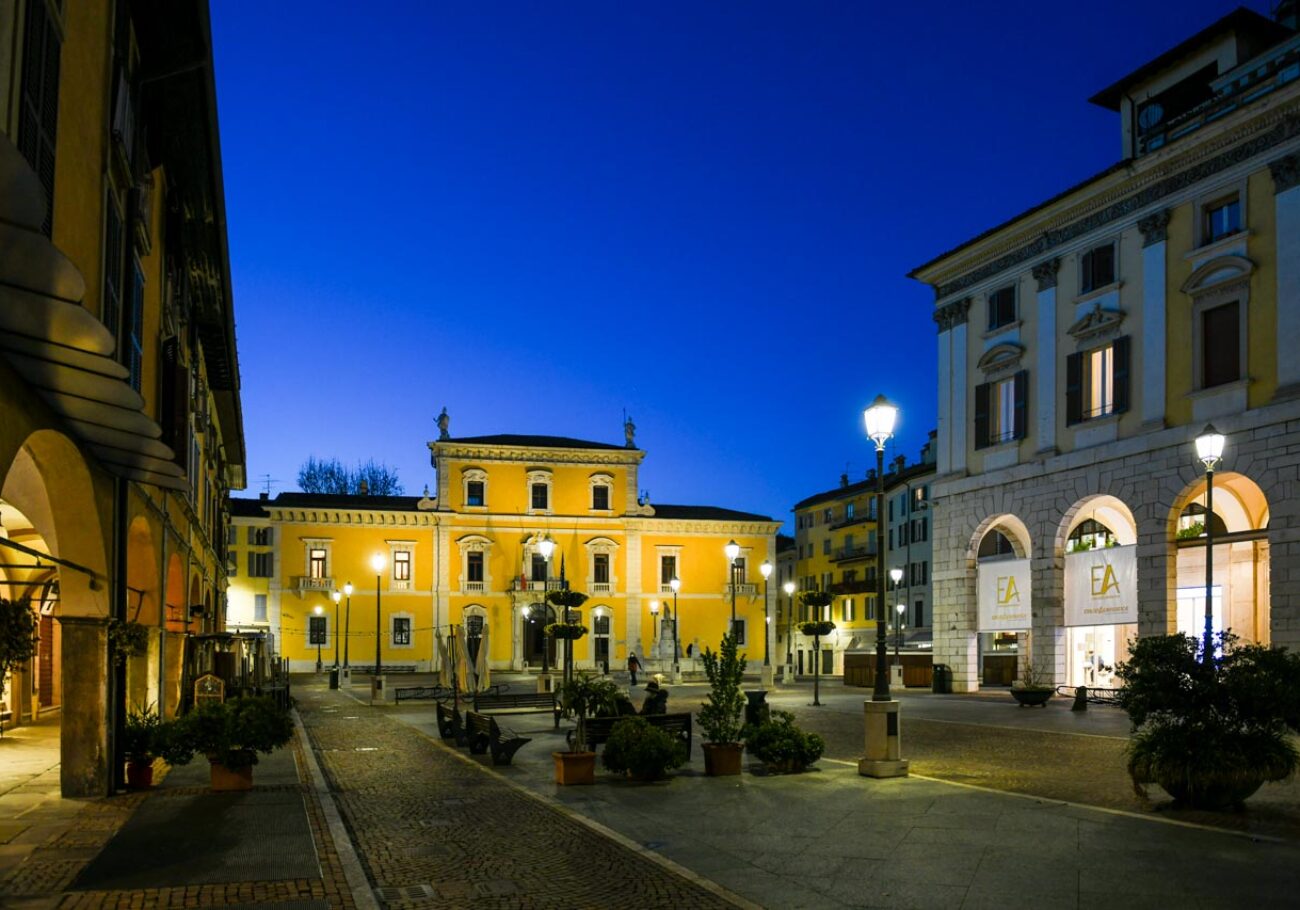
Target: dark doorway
473,636
535,623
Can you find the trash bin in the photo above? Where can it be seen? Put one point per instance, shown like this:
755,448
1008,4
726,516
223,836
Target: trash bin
334,678
757,710
942,682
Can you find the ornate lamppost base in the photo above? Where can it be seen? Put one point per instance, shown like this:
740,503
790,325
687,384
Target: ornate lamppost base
883,741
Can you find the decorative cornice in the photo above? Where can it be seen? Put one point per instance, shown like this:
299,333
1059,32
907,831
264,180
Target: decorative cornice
1287,128
1154,228
1286,173
952,314
538,455
352,517
1045,273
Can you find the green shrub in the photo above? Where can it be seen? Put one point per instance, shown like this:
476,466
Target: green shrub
142,735
18,635
720,717
588,696
1210,731
778,742
231,733
641,749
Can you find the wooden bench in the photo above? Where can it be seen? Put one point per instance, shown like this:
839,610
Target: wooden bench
519,702
449,724
596,730
411,693
485,735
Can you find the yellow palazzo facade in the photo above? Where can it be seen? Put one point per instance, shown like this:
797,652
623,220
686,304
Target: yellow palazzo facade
473,556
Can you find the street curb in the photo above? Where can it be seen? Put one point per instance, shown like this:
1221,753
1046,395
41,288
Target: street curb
657,858
353,871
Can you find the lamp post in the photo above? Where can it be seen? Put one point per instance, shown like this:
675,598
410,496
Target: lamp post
377,563
676,585
318,610
880,418
898,633
1209,449
766,571
654,622
336,597
896,576
347,622
545,547
789,630
732,549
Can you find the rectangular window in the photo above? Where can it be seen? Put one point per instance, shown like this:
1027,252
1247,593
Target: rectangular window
114,262
317,630
1002,307
539,567
259,608
827,516
1097,268
252,536
1221,219
667,569
847,610
891,510
891,538
259,565
540,496
848,511
316,562
402,565
919,495
1097,382
1221,345
134,341
262,537
600,625
474,493
600,498
738,630
38,102
401,630
474,567
232,536
600,568
919,614
1001,410
826,547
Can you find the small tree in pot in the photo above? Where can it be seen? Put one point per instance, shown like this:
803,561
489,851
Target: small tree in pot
142,741
781,746
18,635
720,718
642,751
230,734
581,697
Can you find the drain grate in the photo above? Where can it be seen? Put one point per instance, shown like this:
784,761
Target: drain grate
405,893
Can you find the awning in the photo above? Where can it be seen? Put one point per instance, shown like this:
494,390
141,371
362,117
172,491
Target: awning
63,352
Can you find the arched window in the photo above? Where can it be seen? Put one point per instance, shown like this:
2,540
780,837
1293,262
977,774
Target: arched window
1090,534
1191,523
996,545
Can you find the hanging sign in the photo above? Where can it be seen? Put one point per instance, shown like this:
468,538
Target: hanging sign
1003,591
1101,587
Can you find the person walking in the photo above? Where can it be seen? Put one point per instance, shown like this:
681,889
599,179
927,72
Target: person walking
633,667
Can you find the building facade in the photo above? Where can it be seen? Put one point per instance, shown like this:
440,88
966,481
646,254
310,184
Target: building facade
471,554
119,382
836,549
1084,344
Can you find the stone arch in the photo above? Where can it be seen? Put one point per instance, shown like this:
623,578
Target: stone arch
1109,510
142,581
1010,526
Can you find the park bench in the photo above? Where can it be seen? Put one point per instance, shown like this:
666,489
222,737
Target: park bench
596,730
369,669
449,724
518,702
412,693
486,735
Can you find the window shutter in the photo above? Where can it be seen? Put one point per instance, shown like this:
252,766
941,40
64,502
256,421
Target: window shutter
1120,376
175,379
982,416
1021,421
1073,389
38,115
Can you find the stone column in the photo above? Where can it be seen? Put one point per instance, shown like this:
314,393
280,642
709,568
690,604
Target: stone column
632,600
1045,274
1157,572
1047,648
1154,230
953,610
84,731
951,319
1286,186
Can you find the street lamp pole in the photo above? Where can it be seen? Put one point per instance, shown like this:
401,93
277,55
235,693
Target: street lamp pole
318,610
336,597
789,628
896,576
880,418
766,571
347,622
654,622
377,563
676,585
898,633
1209,449
732,549
545,547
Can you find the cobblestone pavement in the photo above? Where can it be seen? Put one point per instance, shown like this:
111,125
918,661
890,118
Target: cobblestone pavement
43,878
435,830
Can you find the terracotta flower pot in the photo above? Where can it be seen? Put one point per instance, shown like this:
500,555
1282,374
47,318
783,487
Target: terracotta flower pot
139,775
574,768
722,758
225,779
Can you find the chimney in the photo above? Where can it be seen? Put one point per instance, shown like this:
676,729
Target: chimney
844,480
264,496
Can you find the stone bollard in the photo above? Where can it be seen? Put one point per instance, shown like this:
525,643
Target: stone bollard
1080,699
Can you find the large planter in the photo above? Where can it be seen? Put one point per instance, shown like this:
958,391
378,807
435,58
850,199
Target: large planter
1210,796
721,759
1032,698
139,775
225,778
572,768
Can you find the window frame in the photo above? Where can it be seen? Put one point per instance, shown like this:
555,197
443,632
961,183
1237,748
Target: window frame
1207,202
993,308
1087,281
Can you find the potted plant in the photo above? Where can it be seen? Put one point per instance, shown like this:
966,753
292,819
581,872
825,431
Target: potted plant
230,734
817,602
720,717
781,746
1029,691
642,751
141,742
581,697
1210,732
126,639
18,635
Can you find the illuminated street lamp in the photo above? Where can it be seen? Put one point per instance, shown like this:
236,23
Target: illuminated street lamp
732,549
896,575
898,633
880,419
789,628
377,562
318,610
336,597
676,585
545,547
766,571
1209,449
347,621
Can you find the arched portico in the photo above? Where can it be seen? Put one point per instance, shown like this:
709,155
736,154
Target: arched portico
998,557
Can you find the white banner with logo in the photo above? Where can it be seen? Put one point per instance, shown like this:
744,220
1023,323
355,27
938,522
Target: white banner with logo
1004,596
1101,587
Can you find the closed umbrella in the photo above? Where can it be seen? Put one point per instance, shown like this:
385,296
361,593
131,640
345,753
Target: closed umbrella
482,672
444,669
461,659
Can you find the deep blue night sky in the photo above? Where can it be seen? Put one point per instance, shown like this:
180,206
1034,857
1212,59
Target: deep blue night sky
539,214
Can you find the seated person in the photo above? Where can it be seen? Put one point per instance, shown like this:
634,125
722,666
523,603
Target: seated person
656,699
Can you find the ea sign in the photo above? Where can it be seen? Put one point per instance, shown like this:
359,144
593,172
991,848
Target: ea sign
1003,590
